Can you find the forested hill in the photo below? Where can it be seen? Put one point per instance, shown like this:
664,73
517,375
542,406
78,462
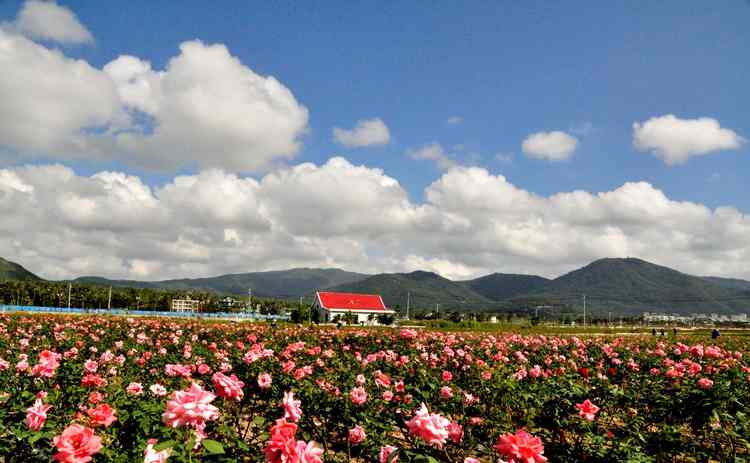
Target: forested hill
282,283
634,285
504,286
622,286
13,271
423,289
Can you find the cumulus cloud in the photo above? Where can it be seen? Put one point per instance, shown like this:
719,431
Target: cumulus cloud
367,132
454,120
676,140
48,101
433,152
551,146
470,223
46,20
138,86
211,110
205,109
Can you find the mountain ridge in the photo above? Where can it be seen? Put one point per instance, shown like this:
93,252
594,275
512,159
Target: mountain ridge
622,285
13,271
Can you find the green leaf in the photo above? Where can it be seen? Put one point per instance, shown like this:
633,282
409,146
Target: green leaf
213,447
164,445
35,437
259,421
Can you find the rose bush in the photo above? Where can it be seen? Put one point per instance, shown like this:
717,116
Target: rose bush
156,390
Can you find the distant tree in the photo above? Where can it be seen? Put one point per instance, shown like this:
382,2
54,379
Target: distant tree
386,319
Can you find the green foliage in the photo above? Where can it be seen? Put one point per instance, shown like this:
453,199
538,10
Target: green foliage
630,286
283,283
502,286
643,417
13,271
425,290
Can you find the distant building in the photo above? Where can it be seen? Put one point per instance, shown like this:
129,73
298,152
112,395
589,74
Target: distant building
228,303
362,306
185,305
651,317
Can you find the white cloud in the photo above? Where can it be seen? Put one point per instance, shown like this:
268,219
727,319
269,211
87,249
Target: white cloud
552,146
47,20
211,110
205,109
367,132
433,152
676,140
138,86
47,101
454,120
470,223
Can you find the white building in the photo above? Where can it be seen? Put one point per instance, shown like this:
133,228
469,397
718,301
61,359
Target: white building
185,305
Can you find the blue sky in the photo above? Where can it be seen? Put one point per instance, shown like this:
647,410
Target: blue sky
506,69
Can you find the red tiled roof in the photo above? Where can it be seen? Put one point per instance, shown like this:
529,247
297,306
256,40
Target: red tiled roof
351,301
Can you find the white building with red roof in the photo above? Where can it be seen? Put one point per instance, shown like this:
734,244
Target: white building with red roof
364,306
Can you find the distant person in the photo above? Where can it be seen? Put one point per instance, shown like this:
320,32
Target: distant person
715,333
653,331
674,332
273,324
662,331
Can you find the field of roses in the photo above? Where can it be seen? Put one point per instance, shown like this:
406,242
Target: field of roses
78,389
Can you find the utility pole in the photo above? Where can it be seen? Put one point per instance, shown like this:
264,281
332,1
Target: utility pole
70,285
437,309
408,297
109,299
250,298
610,318
584,311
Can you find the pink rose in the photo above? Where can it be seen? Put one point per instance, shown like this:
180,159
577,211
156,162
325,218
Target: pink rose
705,383
282,446
48,363
190,408
152,456
134,389
309,452
76,444
357,435
228,387
431,427
292,407
102,415
521,447
587,410
264,380
36,415
90,366
358,395
385,452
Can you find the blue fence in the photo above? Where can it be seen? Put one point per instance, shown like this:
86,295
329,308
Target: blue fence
145,313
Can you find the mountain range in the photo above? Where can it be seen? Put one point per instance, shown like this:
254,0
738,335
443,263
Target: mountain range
624,286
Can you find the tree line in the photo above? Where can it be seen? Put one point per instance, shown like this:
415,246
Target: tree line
92,296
